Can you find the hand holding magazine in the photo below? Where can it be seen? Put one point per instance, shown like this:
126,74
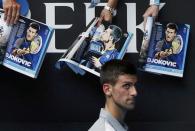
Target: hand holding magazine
24,45
164,48
97,45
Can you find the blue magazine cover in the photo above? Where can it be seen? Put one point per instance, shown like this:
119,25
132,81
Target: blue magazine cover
167,48
97,45
27,46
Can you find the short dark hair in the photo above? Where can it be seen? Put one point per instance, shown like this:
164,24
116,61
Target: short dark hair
112,69
172,26
35,26
116,33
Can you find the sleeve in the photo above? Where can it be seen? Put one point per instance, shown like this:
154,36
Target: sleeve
108,56
154,2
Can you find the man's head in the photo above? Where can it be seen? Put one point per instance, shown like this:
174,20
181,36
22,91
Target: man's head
118,79
113,33
171,32
32,31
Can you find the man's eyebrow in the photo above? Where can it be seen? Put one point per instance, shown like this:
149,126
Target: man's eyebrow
128,82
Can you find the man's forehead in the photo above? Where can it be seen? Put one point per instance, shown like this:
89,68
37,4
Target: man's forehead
170,30
127,77
32,29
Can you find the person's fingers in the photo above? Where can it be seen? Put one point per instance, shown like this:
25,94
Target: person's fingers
5,13
13,14
107,19
17,14
100,21
105,16
9,13
108,16
101,18
145,20
145,15
155,10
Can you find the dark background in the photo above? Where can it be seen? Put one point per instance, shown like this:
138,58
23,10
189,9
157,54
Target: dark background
62,100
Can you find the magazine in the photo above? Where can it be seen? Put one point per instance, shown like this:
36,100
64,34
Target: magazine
97,45
164,48
23,45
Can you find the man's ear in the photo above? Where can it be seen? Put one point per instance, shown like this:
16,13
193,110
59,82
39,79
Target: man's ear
107,88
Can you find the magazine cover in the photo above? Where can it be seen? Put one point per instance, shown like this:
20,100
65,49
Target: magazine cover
26,46
164,50
97,45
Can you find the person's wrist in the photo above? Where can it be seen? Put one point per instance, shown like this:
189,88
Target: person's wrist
110,9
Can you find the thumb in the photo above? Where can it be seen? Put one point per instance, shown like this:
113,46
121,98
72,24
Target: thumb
145,20
100,21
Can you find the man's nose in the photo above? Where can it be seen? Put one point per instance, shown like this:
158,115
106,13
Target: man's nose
133,91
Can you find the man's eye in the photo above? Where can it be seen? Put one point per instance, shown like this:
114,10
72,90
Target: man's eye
127,86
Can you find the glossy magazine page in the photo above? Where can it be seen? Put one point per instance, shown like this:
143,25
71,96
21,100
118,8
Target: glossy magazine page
97,45
27,46
167,49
